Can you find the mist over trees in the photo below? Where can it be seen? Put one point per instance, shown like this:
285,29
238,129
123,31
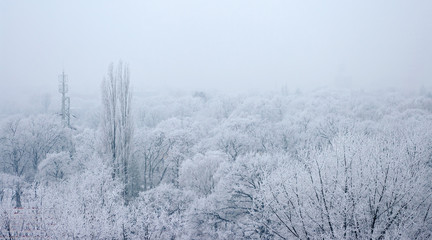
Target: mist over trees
325,164
243,119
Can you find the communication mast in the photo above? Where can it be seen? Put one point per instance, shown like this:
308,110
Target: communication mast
63,89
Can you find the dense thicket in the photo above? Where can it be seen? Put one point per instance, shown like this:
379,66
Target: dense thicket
330,164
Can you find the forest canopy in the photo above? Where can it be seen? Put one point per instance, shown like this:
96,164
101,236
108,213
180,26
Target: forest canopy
325,164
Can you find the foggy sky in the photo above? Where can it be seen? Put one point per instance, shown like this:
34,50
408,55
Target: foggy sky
227,45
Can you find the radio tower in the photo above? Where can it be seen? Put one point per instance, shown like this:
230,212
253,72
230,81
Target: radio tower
65,108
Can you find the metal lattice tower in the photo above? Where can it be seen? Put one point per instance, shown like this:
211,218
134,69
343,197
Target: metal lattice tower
63,89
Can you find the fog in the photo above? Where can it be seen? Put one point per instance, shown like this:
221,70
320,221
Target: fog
223,45
240,119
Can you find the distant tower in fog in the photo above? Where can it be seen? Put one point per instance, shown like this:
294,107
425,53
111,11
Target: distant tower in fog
65,107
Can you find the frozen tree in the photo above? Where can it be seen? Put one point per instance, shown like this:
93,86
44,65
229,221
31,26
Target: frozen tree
237,137
199,173
361,187
90,209
55,167
153,148
160,213
117,121
45,134
14,148
183,137
234,209
14,156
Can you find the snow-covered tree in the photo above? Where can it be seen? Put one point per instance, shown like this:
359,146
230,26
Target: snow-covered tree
117,127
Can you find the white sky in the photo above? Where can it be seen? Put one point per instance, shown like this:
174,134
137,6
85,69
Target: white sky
227,45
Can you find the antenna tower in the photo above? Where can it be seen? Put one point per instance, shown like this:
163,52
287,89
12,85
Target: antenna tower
65,107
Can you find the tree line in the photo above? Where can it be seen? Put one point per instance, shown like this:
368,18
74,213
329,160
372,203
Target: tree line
327,164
